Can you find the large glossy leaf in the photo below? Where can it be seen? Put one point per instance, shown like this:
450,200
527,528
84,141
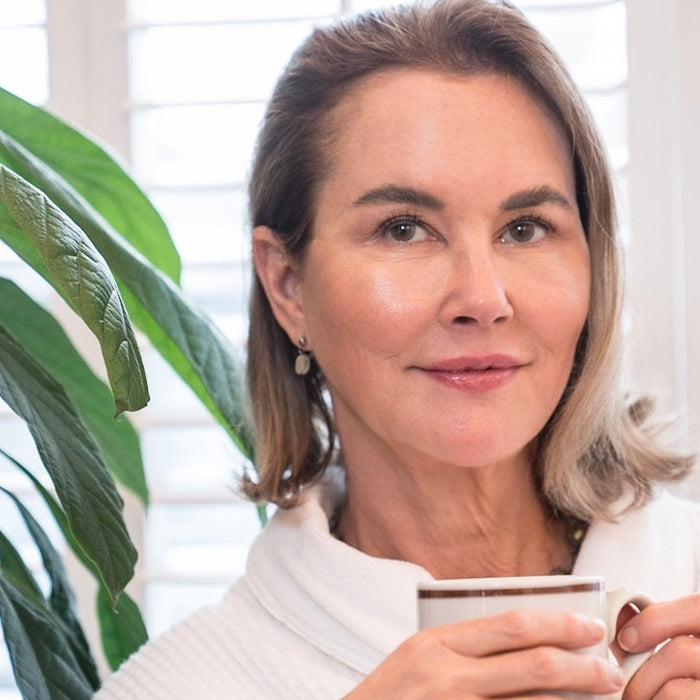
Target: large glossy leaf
96,174
185,337
14,570
56,511
83,485
61,601
41,336
122,628
78,271
44,667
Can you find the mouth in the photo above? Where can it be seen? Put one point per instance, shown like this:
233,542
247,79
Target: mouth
484,363
474,374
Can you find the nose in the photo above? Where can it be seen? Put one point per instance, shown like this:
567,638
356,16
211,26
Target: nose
476,289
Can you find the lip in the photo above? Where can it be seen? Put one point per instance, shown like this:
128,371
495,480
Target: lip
477,374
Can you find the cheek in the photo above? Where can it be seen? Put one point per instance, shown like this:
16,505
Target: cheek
568,310
372,308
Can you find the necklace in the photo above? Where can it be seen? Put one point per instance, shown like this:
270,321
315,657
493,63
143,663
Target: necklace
575,532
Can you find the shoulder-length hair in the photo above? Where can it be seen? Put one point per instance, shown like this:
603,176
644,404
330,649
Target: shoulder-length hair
594,448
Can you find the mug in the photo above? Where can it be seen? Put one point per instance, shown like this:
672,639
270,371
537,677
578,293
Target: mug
454,600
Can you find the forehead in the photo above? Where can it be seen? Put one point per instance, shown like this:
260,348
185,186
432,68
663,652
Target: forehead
411,123
366,95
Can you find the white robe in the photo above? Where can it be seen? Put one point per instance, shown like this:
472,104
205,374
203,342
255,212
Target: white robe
312,616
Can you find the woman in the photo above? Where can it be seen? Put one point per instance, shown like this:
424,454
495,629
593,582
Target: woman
437,297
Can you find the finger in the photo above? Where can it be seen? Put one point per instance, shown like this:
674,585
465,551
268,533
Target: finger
540,669
679,688
521,629
679,659
626,614
659,622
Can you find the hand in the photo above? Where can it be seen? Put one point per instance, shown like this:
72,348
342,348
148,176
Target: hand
674,670
507,655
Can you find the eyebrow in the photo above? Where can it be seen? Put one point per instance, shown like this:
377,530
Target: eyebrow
534,197
395,194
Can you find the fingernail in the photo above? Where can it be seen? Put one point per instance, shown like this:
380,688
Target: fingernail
628,637
615,676
595,626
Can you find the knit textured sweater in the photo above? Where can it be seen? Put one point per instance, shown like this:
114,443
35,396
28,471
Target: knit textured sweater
312,616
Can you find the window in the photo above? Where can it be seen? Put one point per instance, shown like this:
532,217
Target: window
24,70
194,109
24,67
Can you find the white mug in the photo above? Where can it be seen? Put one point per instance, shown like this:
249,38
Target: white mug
447,601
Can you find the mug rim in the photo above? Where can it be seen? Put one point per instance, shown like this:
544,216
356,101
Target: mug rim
510,586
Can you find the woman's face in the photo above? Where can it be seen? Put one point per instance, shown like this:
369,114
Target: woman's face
447,281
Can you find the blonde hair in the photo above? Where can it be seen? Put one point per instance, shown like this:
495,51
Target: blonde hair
594,448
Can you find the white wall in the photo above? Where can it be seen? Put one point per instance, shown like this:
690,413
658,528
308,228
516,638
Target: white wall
664,191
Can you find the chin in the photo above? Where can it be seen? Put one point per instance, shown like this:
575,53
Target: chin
472,456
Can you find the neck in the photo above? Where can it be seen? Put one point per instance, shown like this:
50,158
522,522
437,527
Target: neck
456,522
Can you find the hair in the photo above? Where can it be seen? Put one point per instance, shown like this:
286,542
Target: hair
595,447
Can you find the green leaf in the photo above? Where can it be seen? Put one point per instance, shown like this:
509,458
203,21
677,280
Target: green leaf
96,175
44,667
11,232
83,485
183,335
13,568
123,631
79,272
58,514
61,599
41,336
122,628
191,344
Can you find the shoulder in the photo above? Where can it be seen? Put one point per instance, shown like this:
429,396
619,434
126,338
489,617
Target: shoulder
655,547
668,511
198,657
233,649
664,512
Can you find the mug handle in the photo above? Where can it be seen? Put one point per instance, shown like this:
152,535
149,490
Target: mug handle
616,600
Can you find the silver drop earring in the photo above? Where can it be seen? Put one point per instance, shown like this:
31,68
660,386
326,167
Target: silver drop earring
302,364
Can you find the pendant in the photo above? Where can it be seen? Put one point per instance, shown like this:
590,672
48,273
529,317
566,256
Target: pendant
302,364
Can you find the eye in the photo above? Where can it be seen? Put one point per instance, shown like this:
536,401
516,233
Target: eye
405,229
526,230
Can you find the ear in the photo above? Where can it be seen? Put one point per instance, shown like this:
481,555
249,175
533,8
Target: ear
279,277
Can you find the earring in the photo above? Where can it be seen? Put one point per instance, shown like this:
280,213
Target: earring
302,364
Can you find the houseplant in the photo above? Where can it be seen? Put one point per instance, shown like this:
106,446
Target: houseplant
70,211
